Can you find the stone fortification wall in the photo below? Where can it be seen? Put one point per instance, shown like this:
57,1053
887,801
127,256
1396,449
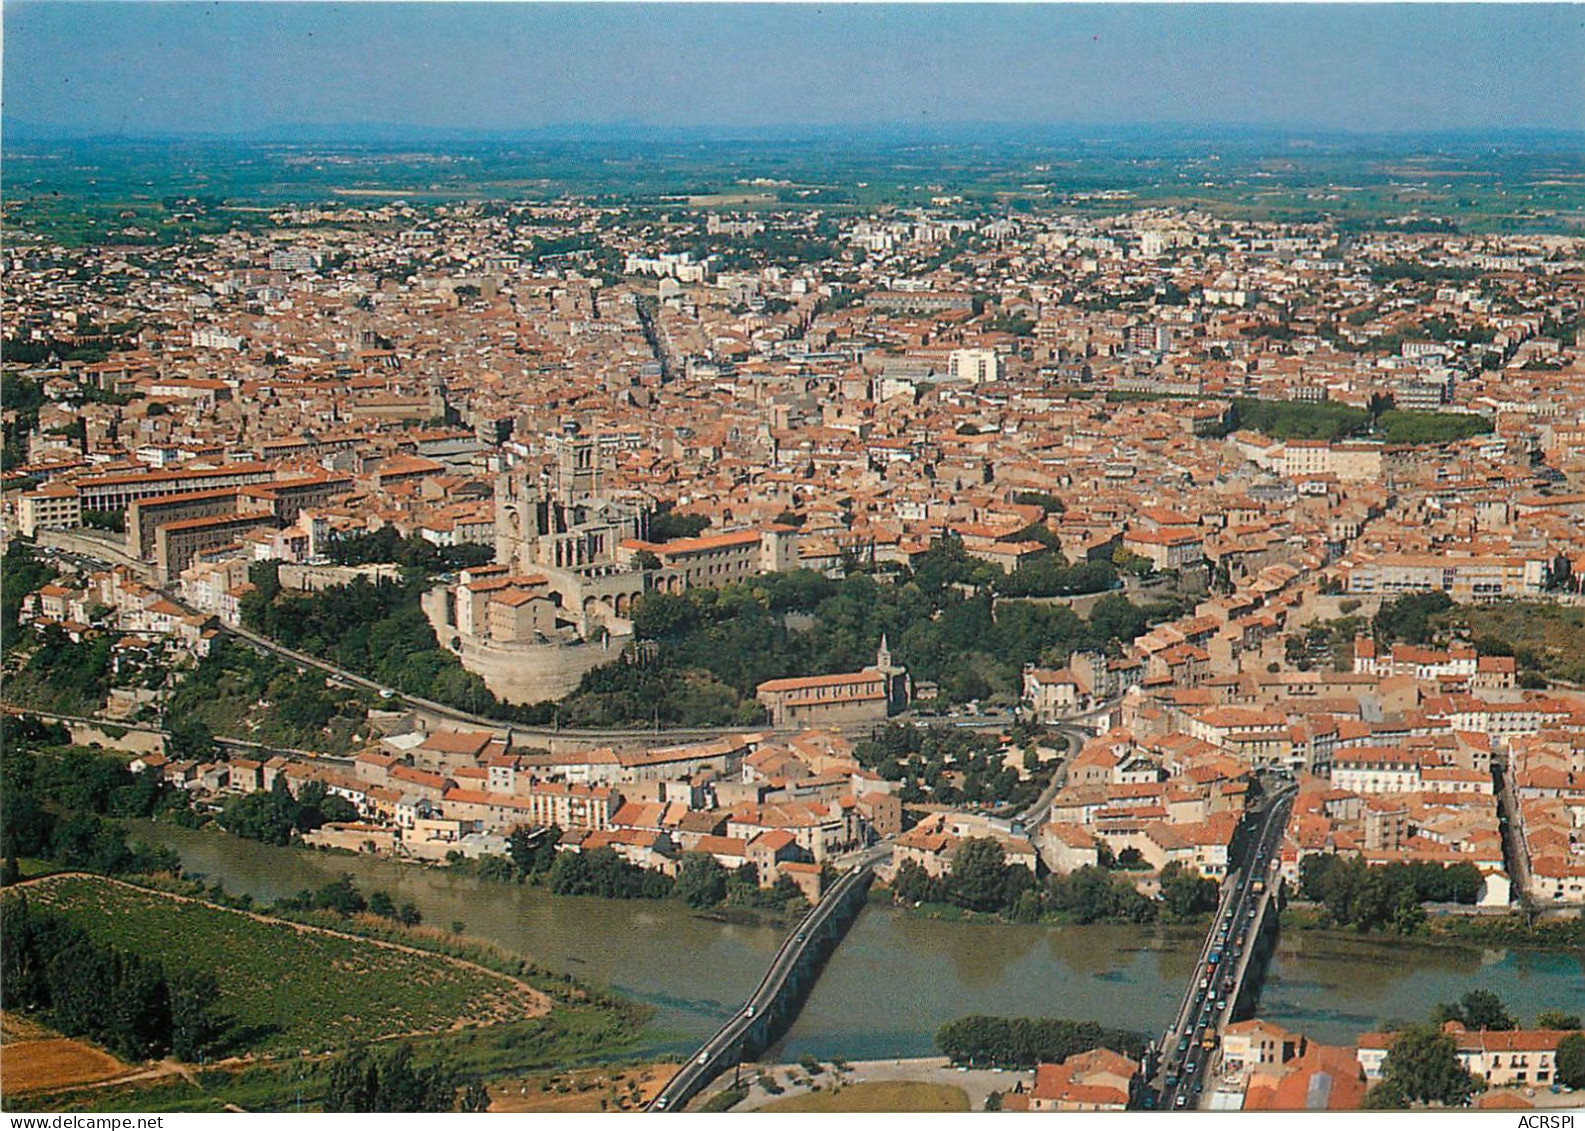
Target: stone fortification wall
521,673
532,673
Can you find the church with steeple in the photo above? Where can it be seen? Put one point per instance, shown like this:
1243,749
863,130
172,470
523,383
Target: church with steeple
871,695
898,689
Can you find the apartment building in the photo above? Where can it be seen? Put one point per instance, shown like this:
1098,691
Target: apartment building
54,506
117,492
1502,1058
176,544
1464,577
145,516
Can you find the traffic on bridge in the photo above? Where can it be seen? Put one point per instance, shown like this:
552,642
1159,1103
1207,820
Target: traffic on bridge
1218,977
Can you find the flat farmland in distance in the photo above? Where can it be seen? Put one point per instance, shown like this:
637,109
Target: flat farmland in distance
291,987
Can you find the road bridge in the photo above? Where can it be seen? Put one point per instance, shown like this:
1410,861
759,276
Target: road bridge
776,1000
1239,937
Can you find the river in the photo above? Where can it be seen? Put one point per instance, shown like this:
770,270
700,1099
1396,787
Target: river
896,978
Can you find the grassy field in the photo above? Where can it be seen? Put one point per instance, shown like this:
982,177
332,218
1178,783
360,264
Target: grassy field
890,1095
290,988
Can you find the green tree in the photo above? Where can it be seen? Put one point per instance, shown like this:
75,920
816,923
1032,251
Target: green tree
269,816
190,740
701,881
390,1081
1185,892
533,852
340,896
475,1097
1422,1066
912,884
1571,1060
1557,1019
978,877
196,1024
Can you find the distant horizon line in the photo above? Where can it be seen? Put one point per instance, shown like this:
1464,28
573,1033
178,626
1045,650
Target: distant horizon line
24,132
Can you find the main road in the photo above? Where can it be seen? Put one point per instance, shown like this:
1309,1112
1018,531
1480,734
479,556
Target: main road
1218,976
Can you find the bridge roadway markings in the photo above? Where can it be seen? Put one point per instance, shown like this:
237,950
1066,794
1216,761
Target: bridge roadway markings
707,1062
1230,913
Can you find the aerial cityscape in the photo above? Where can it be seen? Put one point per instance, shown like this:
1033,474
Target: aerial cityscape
732,558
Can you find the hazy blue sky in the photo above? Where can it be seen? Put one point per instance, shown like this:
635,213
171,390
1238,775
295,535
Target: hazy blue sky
221,67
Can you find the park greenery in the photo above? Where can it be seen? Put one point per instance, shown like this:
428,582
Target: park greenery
21,572
1570,1060
942,619
951,766
1332,421
376,629
1020,1043
1386,898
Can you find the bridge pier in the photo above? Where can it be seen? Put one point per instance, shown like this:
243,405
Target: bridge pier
774,1005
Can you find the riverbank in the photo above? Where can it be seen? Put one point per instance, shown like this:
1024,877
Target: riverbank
951,913
895,979
1464,931
727,911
